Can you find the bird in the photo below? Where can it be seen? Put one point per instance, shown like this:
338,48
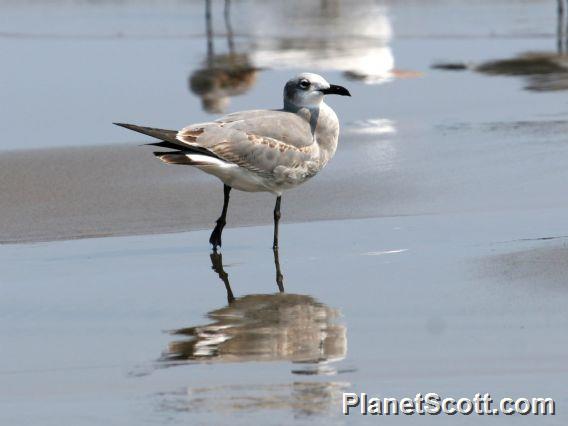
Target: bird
259,150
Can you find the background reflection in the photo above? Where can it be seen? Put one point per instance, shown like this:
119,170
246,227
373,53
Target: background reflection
264,327
222,75
323,35
303,399
351,37
543,71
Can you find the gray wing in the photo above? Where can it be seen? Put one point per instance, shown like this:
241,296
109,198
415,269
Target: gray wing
260,140
281,125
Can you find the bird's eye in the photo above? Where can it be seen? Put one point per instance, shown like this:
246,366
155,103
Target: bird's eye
304,84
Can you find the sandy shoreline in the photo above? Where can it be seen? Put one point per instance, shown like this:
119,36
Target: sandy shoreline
120,189
69,193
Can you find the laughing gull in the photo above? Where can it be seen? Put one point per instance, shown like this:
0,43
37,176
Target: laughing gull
259,150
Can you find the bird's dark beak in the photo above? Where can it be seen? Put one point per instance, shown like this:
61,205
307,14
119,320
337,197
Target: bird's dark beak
336,90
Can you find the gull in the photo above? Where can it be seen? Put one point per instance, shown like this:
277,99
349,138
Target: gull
259,150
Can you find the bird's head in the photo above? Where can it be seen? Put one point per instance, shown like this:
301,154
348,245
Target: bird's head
307,90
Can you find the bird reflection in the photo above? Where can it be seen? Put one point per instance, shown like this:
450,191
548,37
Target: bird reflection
264,327
350,37
562,27
222,75
303,398
543,71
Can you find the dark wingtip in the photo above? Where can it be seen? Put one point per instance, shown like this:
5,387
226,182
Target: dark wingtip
125,125
165,144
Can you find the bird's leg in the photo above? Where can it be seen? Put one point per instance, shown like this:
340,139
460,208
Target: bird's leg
276,221
560,27
565,29
209,30
217,266
215,238
279,276
229,27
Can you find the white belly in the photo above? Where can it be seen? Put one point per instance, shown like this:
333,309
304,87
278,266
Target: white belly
246,180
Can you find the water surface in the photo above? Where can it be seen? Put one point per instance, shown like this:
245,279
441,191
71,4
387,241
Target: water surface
455,285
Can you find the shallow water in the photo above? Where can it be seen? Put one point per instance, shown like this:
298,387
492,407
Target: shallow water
134,329
72,68
461,290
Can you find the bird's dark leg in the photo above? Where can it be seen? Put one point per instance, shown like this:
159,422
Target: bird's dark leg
279,276
217,266
560,27
276,221
229,27
215,238
209,30
565,17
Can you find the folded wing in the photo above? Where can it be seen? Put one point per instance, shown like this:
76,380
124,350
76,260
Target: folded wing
264,142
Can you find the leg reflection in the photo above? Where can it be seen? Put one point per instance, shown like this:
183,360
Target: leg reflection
562,27
227,14
263,327
279,276
217,266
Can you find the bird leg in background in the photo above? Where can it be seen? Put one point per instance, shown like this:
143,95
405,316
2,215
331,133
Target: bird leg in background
560,30
209,30
217,266
279,276
227,14
215,238
276,221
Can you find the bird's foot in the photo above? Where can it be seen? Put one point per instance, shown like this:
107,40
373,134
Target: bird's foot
215,239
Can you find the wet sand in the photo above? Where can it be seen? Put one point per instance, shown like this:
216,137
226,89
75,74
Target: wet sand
84,192
63,193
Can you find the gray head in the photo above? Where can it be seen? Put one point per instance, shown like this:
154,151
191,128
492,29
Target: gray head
307,90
